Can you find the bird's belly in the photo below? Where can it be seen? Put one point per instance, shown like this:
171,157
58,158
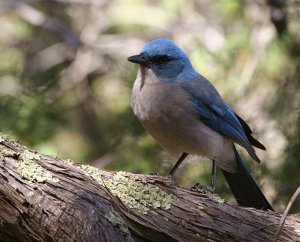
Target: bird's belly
194,138
177,136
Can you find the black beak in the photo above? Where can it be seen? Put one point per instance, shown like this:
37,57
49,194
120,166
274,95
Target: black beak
139,59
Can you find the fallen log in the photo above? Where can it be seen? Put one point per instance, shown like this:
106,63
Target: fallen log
43,198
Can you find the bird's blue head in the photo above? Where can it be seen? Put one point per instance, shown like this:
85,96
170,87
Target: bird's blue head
166,60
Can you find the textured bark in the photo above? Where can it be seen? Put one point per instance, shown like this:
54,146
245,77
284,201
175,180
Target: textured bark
47,199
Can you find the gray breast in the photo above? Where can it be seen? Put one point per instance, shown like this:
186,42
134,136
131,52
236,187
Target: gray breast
152,99
163,110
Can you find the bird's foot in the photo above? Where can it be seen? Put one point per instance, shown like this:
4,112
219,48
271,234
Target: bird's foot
170,177
153,174
197,187
210,189
200,188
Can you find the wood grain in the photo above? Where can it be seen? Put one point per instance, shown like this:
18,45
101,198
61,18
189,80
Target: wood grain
57,200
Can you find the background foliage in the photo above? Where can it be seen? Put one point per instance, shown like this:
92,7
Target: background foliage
65,83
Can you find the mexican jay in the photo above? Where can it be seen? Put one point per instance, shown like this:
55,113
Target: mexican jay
185,114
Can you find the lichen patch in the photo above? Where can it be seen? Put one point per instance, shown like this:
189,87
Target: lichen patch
117,221
32,171
30,194
69,162
138,195
93,172
219,200
6,152
29,155
3,137
133,192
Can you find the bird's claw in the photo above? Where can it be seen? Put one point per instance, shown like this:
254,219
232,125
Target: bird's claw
197,187
153,174
200,188
170,176
210,189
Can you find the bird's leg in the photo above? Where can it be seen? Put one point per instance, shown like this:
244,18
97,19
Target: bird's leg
180,160
211,188
213,175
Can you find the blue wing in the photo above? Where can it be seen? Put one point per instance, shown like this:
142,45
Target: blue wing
215,113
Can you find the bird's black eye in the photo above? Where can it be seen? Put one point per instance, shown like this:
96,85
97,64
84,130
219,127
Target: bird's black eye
163,59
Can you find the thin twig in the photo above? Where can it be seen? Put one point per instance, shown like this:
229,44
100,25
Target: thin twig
288,207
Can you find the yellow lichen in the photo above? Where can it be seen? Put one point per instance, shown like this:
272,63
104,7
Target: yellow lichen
32,171
29,155
220,200
69,161
138,195
6,152
3,137
30,194
93,172
117,221
133,192
26,164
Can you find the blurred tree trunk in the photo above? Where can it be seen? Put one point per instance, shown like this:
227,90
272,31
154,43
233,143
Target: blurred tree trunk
47,199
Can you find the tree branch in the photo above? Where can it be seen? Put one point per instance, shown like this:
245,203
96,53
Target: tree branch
43,198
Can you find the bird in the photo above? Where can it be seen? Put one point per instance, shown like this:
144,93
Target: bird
186,115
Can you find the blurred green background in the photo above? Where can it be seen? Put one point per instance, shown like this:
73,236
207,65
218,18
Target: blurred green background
65,84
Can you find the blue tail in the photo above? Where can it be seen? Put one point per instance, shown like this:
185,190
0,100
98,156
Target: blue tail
244,188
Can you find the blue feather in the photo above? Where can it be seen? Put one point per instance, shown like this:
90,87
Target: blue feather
215,113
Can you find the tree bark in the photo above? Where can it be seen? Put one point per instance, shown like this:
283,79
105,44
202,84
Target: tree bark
43,198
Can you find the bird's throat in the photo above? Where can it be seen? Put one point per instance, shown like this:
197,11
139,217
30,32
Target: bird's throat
143,76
